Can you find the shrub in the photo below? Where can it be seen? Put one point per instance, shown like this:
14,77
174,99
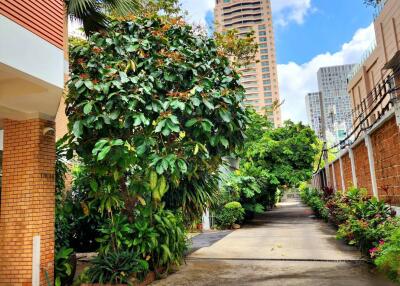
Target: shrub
116,267
230,214
388,260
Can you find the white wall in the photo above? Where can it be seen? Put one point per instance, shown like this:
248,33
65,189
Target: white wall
28,53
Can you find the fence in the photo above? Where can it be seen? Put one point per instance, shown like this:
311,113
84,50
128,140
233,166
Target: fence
370,155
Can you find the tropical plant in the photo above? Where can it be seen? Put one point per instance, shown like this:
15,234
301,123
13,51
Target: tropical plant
388,256
116,268
231,213
93,14
64,266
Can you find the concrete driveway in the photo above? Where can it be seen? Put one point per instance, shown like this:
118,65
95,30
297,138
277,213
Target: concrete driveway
286,246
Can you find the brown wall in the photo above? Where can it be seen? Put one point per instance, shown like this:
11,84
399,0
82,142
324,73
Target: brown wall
362,167
44,18
386,145
28,200
337,175
348,179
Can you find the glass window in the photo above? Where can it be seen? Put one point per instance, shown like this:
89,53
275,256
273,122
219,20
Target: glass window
263,39
265,70
267,81
264,57
262,27
264,51
266,75
263,45
262,33
264,64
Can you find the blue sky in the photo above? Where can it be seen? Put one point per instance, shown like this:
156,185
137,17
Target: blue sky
309,34
328,25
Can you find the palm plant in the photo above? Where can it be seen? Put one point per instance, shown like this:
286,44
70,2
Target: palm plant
92,14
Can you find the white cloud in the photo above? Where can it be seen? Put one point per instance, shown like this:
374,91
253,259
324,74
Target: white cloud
197,9
296,80
286,11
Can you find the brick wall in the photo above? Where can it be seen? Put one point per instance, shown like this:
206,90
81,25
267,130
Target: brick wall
338,177
348,178
27,200
362,167
385,141
386,146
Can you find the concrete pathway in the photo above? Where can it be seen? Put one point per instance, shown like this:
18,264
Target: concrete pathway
286,246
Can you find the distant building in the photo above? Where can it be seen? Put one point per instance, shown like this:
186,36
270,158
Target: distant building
336,105
313,107
260,78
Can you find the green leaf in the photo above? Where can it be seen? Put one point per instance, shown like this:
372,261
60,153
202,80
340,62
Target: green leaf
77,129
78,83
225,115
191,122
93,185
89,84
88,107
182,165
103,153
224,142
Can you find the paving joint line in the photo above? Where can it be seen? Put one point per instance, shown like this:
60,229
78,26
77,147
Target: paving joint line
281,259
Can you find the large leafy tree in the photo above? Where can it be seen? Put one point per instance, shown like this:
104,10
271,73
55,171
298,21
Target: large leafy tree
152,108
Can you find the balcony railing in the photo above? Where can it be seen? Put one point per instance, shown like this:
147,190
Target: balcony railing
379,8
364,57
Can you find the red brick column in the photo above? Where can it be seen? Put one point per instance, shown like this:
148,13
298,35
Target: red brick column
27,200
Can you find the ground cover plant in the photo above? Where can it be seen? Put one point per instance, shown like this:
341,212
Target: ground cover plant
365,222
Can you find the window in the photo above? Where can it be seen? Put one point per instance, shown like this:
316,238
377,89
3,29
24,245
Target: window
227,1
267,88
251,89
263,45
268,101
265,70
267,82
264,64
263,39
262,27
268,94
262,33
266,75
264,57
264,51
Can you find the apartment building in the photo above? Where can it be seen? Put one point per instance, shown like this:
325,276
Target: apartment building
260,78
314,112
32,68
336,106
370,79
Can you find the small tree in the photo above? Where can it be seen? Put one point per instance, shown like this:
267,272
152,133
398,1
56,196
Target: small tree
152,109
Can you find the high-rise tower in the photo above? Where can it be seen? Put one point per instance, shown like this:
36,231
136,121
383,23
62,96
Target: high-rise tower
260,78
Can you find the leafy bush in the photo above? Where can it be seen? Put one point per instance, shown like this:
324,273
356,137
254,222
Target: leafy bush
388,256
313,198
230,214
116,267
364,222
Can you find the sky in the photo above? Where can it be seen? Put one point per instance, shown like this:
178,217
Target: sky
309,34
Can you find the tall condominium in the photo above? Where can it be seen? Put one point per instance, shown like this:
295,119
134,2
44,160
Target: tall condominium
336,105
314,112
259,78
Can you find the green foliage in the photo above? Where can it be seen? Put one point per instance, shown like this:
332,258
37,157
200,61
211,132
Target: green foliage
231,213
150,95
63,266
364,222
388,252
240,49
313,198
116,267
